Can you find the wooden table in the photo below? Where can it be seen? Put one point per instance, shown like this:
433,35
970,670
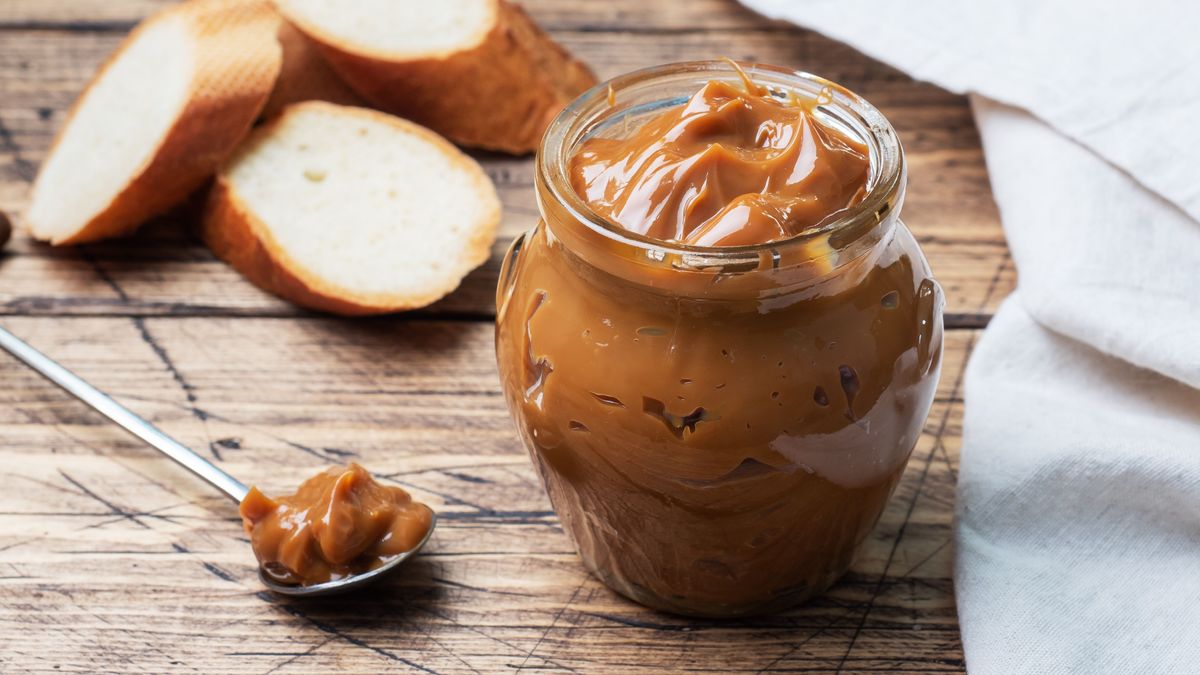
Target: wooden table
112,558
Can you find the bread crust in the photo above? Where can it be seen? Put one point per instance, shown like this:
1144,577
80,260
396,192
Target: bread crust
237,60
304,75
239,237
499,94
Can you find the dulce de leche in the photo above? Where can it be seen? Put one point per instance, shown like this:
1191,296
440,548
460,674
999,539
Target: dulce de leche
341,522
732,167
718,421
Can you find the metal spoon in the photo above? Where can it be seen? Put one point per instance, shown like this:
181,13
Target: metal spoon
231,486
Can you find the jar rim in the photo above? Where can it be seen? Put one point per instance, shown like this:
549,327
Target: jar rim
585,113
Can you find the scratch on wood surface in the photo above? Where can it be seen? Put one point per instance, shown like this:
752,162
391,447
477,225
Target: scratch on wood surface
210,567
553,623
487,636
154,513
479,589
293,657
150,646
189,391
24,168
799,645
102,273
336,632
113,508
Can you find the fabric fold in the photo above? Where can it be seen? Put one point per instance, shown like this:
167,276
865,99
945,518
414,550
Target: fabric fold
1119,78
1078,514
1099,258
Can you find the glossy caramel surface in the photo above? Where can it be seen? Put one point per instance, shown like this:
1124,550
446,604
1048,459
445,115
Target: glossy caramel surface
734,166
719,458
339,523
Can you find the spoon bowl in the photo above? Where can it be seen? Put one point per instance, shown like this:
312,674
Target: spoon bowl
349,583
215,476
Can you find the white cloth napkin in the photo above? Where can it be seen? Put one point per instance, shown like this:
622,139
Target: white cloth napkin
1078,529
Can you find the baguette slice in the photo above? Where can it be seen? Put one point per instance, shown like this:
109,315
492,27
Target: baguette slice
305,76
477,71
351,211
157,119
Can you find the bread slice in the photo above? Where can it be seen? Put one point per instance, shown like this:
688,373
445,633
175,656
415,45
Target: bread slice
305,76
478,71
157,119
351,211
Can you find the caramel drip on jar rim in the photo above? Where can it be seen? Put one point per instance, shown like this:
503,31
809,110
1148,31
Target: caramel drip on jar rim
752,87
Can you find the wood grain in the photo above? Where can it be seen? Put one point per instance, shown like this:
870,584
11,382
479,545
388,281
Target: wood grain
122,561
112,559
555,15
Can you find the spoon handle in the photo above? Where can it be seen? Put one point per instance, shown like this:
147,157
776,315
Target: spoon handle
122,416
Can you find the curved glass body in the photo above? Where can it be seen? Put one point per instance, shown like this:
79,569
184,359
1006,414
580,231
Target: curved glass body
718,428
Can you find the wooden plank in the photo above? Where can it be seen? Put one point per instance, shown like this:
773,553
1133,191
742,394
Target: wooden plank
112,558
79,15
167,272
694,15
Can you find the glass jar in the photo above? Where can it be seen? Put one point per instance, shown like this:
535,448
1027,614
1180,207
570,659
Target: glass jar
718,428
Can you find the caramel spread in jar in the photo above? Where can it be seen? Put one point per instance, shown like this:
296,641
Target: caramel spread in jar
338,524
719,428
734,166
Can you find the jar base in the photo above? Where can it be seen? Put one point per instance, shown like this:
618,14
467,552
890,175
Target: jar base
655,602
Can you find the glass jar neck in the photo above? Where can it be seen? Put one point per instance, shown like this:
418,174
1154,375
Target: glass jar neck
711,272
